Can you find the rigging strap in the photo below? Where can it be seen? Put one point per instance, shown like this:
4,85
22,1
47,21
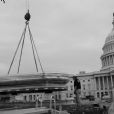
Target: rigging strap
21,50
34,50
17,49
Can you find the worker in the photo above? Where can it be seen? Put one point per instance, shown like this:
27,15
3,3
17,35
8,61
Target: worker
77,87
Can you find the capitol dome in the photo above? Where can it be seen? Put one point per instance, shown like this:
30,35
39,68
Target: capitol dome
107,57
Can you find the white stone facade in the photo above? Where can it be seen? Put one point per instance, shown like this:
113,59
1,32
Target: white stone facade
98,84
87,84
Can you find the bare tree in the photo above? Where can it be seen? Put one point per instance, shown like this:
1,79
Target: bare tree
3,1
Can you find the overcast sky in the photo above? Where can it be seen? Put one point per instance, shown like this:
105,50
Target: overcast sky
69,34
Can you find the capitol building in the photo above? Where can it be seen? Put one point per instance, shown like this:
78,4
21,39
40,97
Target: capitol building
101,83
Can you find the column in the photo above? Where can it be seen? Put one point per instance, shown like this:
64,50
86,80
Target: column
106,61
111,82
103,83
112,59
96,83
99,83
107,82
109,60
99,87
103,62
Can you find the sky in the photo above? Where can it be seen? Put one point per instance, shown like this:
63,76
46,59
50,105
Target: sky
69,34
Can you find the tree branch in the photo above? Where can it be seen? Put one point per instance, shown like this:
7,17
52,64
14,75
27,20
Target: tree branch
3,1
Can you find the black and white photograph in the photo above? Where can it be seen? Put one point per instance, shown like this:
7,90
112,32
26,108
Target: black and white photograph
56,56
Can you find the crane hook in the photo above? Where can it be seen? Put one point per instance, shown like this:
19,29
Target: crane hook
27,16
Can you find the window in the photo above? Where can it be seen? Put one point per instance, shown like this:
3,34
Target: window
89,86
83,80
56,97
59,97
71,95
84,93
34,97
71,87
98,94
88,80
67,95
106,93
25,98
102,94
83,87
30,97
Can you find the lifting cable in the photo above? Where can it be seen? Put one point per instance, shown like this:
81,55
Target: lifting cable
35,49
27,5
16,50
22,40
21,50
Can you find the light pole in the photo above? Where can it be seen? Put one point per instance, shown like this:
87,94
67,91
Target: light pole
37,98
54,105
40,102
51,102
52,99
